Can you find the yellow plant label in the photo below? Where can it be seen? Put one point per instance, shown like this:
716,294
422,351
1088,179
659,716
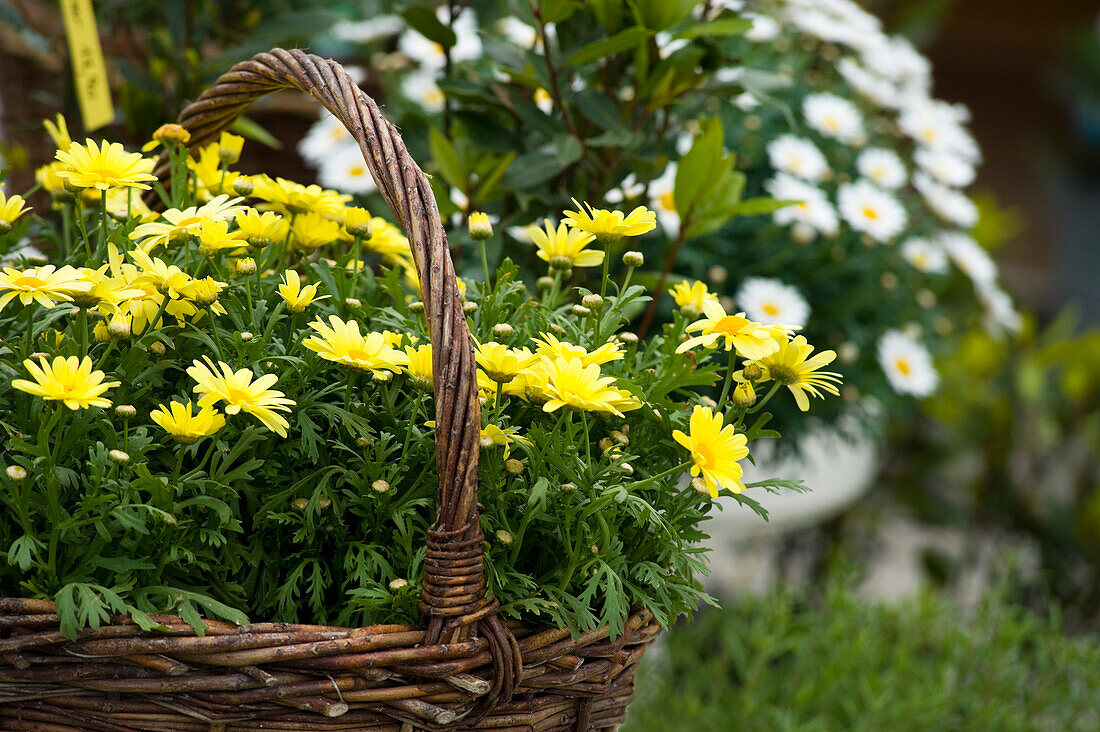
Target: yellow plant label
89,69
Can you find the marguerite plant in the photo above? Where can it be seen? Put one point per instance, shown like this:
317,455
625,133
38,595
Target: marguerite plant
224,408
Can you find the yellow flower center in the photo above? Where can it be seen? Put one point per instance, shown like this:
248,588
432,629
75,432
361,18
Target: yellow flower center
704,455
360,354
357,171
667,201
870,213
28,282
831,124
105,173
730,324
237,396
902,366
771,309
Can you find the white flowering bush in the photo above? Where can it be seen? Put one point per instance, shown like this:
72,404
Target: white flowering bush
799,167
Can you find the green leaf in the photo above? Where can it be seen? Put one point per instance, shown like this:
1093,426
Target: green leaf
721,27
254,131
757,206
555,11
702,169
424,21
446,159
621,41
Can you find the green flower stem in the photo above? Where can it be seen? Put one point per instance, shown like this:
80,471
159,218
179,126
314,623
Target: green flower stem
83,332
654,478
587,441
485,263
729,380
766,399
412,420
347,391
626,280
28,343
102,246
551,299
53,499
79,210
606,269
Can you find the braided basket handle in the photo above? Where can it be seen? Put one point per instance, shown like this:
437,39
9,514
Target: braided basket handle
454,595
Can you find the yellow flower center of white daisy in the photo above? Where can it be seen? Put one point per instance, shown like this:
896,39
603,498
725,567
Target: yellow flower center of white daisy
928,134
28,282
356,171
433,95
667,201
438,48
770,309
832,124
902,366
870,213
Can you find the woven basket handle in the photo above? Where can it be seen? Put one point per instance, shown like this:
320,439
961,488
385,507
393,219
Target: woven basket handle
454,596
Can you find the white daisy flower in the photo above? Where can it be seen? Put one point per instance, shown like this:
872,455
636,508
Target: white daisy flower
834,117
970,257
945,166
950,205
763,29
1000,315
544,101
628,189
874,88
938,126
746,101
344,170
662,202
907,364
869,209
822,26
420,87
518,32
813,210
897,60
771,302
926,255
431,55
882,167
797,156
365,31
323,137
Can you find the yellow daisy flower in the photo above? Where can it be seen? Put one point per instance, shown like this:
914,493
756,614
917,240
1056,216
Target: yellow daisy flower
241,393
388,240
610,226
213,235
70,381
420,365
104,292
11,208
500,362
45,285
557,245
187,428
715,450
310,230
690,298
104,167
569,383
176,224
793,367
344,344
58,132
167,278
493,436
51,182
297,297
752,340
550,347
211,179
287,197
261,229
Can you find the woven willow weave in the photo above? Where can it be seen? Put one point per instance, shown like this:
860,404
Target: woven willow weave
464,669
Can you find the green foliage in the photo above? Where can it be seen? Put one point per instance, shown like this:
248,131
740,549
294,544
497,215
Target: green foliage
784,661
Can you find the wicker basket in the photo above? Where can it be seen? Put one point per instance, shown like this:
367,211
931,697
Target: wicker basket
464,669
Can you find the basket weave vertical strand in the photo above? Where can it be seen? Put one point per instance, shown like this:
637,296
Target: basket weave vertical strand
465,669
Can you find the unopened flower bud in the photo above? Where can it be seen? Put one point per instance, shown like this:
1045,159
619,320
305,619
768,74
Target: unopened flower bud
416,306
480,227
629,338
118,457
243,186
118,328
157,348
363,442
847,352
504,537
744,395
229,148
513,466
398,584
324,501
172,134
606,444
246,336
717,274
926,298
245,266
357,222
503,330
889,280
560,263
300,504
353,302
633,259
753,372
581,311
557,328
708,402
699,486
37,355
592,302
544,283
568,487
126,411
380,486
469,307
627,468
620,437
16,473
595,549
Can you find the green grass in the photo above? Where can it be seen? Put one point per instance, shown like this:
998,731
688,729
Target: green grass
782,662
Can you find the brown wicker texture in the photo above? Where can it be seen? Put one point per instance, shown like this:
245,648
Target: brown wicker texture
464,669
